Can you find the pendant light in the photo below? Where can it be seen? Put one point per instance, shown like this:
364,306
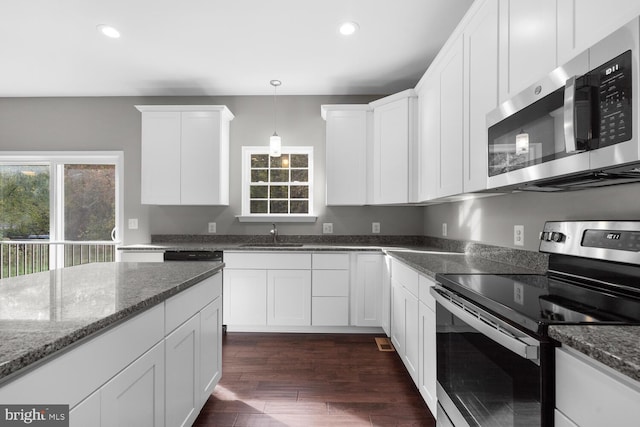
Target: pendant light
275,143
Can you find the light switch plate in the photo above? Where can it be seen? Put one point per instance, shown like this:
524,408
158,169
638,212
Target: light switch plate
518,235
375,227
133,223
212,227
327,228
444,229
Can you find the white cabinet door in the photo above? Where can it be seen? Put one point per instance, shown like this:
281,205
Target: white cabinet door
185,155
347,142
429,137
204,154
367,301
289,297
427,356
160,152
451,121
583,23
397,317
480,92
182,359
135,397
210,348
385,317
392,134
245,297
330,311
412,335
527,44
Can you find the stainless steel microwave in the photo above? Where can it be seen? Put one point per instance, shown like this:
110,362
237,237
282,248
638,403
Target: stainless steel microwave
575,128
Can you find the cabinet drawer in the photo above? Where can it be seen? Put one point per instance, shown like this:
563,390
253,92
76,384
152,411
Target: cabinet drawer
182,306
330,283
424,284
405,276
268,260
330,261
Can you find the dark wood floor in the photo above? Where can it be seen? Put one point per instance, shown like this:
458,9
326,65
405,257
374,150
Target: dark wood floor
312,380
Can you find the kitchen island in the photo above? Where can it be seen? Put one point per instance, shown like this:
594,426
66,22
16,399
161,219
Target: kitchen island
100,337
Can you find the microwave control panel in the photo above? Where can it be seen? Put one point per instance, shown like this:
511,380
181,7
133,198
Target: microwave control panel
614,89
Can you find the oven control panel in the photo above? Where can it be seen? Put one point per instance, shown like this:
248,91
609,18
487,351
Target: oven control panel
612,239
617,241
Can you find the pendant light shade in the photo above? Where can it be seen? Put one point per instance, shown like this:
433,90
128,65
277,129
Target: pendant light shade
275,143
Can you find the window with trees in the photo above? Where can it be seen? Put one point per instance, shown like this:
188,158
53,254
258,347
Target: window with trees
276,186
59,199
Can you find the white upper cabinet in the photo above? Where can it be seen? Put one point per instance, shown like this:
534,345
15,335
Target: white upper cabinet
440,129
347,144
480,91
428,152
583,23
393,134
527,43
449,180
185,155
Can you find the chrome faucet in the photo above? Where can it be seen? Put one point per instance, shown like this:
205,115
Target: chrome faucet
274,233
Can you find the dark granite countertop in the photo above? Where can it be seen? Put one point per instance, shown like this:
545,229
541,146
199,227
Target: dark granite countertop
204,246
432,262
43,313
615,346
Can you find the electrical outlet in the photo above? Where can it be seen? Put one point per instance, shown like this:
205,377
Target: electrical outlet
518,235
133,223
444,229
212,227
327,228
375,227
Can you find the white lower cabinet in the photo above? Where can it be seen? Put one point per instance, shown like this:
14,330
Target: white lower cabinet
427,350
590,394
155,369
404,316
245,297
289,297
210,348
183,364
413,328
135,397
299,291
367,302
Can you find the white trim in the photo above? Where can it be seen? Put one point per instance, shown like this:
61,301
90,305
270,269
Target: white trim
277,218
245,216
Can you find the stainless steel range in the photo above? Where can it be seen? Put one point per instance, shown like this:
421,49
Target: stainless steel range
495,359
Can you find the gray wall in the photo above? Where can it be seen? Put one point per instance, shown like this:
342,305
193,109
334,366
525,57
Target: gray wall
490,220
50,124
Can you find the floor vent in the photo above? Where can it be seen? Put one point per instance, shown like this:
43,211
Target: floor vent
384,344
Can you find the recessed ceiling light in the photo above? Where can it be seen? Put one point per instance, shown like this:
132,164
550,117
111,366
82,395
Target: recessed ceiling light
108,31
348,28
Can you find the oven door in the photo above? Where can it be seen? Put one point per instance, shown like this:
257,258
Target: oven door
488,372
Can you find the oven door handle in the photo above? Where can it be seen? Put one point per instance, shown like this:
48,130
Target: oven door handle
487,324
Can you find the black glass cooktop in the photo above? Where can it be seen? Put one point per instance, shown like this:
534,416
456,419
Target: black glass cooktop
536,301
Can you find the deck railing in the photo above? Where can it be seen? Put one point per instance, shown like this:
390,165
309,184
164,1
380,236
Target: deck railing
19,257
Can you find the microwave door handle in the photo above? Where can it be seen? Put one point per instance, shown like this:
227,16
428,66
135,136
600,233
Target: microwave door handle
569,113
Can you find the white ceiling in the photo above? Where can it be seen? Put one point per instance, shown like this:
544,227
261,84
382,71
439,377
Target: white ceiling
219,47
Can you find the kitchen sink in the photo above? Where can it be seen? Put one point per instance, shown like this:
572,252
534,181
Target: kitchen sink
271,245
